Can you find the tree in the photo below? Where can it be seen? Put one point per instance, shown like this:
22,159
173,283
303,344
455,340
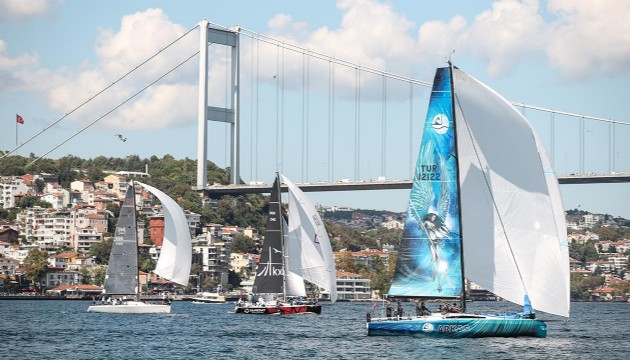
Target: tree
234,280
346,262
243,244
36,265
100,251
607,234
146,263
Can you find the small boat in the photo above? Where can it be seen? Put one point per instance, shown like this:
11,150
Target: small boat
219,296
122,288
293,251
485,207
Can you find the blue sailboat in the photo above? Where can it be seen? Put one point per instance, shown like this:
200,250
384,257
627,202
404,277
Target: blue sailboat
485,206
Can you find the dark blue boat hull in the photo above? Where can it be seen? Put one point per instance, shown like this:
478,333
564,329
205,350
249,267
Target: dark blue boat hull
459,327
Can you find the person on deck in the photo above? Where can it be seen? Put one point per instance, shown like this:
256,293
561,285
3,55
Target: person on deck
388,309
454,308
399,309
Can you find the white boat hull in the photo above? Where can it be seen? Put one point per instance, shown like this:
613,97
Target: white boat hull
131,307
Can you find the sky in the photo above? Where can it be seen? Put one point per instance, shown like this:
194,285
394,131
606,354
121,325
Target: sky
57,56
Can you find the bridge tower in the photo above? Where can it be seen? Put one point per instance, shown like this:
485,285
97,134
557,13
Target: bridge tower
210,35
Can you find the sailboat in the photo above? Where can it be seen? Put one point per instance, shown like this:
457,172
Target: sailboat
484,206
174,263
293,251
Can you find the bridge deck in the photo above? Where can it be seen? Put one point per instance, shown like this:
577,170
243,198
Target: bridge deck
220,190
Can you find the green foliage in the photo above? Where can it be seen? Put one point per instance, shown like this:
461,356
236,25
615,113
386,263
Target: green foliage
583,252
31,201
234,280
36,264
243,244
146,263
100,251
581,285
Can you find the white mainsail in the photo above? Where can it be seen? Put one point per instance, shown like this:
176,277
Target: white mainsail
176,254
316,262
512,218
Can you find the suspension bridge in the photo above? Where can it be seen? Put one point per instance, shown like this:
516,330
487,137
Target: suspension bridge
267,105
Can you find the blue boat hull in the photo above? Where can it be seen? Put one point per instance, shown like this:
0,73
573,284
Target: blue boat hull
459,327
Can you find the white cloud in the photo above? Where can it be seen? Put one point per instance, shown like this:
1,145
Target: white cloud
22,9
590,37
505,34
140,36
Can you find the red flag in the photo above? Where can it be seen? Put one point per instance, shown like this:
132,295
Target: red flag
19,119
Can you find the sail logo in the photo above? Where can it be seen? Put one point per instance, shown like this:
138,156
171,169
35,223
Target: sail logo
427,328
270,270
440,124
453,328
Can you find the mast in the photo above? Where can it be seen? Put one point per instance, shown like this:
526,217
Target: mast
283,239
459,197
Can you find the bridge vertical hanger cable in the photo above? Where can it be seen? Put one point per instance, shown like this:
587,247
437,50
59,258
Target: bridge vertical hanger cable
282,111
410,152
276,76
227,93
610,148
308,117
581,146
331,175
383,124
356,124
552,139
303,109
257,102
329,120
251,112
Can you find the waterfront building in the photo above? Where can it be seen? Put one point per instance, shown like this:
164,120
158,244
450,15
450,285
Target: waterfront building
351,286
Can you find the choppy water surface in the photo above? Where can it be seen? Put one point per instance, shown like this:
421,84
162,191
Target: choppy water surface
63,330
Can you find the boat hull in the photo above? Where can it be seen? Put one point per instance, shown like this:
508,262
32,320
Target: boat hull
279,309
131,307
460,327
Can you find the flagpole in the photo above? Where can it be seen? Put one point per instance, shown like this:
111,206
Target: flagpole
16,130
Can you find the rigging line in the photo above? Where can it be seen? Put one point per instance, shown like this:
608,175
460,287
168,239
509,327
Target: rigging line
115,108
98,93
462,120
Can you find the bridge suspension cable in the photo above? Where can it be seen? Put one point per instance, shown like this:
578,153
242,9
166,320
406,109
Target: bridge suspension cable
114,108
97,94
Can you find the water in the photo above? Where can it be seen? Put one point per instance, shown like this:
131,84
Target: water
63,330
